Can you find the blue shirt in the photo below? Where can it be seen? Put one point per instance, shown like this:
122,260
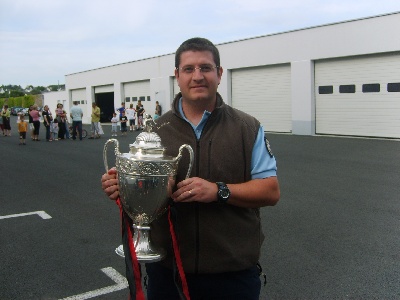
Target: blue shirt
76,113
263,164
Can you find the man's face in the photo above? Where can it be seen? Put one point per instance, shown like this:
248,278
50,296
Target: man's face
198,85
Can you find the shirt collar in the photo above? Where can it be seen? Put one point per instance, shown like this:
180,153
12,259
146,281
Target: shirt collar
199,128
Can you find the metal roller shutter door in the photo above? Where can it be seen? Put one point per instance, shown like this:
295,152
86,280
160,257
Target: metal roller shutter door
78,95
372,114
137,89
265,93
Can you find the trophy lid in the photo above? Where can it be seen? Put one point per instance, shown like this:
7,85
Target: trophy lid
148,143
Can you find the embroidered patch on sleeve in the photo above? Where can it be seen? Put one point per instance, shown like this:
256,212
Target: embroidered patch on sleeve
268,147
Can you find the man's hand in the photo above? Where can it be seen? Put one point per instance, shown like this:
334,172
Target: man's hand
195,189
109,184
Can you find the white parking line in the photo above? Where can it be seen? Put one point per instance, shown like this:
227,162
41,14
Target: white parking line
121,283
40,213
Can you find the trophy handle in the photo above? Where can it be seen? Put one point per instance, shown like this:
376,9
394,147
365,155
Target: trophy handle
116,151
191,153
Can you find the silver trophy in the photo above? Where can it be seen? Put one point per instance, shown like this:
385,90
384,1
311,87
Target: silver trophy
146,179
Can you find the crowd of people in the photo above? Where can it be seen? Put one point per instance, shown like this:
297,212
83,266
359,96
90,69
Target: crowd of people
131,117
57,126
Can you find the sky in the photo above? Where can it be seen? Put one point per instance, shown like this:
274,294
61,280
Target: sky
41,41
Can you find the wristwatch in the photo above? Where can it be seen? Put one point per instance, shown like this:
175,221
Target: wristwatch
223,192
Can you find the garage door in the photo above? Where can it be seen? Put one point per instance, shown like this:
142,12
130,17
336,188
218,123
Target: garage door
138,90
358,96
79,95
264,92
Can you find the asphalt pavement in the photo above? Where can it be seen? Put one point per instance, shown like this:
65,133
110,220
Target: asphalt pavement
333,235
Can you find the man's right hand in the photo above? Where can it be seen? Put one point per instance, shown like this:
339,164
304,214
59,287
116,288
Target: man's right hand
109,184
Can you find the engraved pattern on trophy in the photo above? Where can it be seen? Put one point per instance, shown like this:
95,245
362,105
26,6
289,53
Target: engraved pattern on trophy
145,167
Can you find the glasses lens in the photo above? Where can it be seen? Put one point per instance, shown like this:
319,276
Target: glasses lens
188,70
206,69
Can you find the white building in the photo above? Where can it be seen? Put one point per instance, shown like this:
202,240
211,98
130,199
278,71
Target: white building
341,79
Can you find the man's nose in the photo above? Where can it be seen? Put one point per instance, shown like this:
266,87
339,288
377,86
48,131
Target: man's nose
197,74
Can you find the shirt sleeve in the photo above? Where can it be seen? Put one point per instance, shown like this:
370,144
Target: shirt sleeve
263,163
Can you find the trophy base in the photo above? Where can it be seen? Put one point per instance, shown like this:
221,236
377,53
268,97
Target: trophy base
142,257
145,252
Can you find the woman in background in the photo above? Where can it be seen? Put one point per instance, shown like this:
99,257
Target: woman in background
35,114
47,118
61,121
5,115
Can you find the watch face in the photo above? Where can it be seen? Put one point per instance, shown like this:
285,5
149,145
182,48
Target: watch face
224,193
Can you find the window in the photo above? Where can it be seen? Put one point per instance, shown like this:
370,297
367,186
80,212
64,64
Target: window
127,99
325,89
393,87
134,98
148,98
371,88
82,101
142,98
349,88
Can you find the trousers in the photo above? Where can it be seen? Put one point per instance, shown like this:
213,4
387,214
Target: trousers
241,285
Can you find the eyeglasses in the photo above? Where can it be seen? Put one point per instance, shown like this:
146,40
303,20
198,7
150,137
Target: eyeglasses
202,69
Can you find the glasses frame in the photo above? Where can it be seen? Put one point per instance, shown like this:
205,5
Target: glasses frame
201,69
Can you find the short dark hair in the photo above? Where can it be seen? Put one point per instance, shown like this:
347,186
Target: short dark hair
197,44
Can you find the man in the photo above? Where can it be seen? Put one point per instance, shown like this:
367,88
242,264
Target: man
121,110
95,121
157,112
217,208
76,116
140,112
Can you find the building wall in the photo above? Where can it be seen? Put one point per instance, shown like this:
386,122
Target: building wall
299,48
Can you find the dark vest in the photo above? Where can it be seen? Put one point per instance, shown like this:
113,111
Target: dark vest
213,237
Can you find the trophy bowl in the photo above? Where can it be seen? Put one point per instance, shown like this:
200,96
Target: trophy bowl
146,178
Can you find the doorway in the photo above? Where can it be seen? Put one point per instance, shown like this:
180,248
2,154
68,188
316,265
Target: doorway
106,103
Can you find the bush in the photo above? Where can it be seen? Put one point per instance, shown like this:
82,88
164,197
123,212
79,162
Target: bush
22,101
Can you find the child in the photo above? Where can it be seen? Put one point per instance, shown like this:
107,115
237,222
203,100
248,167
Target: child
22,129
114,126
124,120
54,130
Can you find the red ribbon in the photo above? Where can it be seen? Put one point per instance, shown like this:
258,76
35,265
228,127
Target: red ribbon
185,287
135,263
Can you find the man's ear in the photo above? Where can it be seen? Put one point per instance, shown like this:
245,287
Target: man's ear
176,72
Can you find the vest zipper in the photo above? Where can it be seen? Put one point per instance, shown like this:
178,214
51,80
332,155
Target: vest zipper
196,262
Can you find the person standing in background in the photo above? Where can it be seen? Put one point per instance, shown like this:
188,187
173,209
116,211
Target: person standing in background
54,130
5,114
130,113
140,112
47,119
124,121
114,126
22,129
35,114
60,114
157,113
120,110
1,125
76,116
95,121
31,128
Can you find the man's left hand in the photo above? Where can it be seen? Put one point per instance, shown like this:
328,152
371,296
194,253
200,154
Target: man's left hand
195,189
